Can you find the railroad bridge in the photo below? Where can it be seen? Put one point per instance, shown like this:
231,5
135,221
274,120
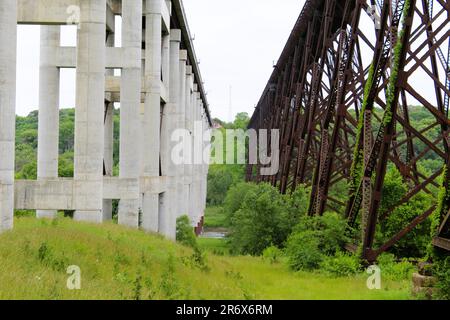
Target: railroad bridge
160,89
340,94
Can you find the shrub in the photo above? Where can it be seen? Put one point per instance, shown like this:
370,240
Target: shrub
219,181
303,251
314,238
415,243
395,270
296,205
442,272
341,265
185,232
259,223
272,254
235,197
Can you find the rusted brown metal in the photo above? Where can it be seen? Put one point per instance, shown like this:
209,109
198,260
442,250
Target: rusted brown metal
317,91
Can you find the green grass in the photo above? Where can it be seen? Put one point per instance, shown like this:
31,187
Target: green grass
119,263
215,218
215,246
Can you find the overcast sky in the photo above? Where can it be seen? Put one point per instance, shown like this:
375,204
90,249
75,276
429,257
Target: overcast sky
236,41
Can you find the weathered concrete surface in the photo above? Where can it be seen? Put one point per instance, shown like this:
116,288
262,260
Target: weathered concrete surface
90,102
63,193
48,126
160,90
8,40
130,122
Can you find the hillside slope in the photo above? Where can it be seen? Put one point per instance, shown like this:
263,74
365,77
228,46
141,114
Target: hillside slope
118,263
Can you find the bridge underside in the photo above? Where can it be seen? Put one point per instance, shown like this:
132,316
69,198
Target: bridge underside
341,94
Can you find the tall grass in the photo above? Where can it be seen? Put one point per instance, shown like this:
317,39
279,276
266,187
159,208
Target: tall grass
119,263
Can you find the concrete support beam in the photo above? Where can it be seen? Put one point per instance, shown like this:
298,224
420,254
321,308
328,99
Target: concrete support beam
108,154
90,99
181,124
130,105
62,193
55,12
168,221
189,82
8,40
48,128
152,112
46,11
198,149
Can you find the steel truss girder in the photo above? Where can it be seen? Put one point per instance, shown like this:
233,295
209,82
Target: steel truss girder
316,94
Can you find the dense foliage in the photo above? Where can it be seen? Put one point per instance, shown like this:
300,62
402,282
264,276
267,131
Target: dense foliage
223,176
260,217
314,239
27,142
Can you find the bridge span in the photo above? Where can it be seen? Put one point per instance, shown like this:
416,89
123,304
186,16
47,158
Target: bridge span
160,89
340,94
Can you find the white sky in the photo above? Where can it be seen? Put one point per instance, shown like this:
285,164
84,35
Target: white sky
236,41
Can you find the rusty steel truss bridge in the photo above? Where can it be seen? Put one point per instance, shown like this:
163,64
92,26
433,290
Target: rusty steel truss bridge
341,94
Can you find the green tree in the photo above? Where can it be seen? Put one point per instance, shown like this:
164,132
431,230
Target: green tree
259,224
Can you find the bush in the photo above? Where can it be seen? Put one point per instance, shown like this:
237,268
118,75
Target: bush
296,205
303,251
395,270
219,181
235,198
341,265
185,232
415,243
442,272
272,254
260,221
315,238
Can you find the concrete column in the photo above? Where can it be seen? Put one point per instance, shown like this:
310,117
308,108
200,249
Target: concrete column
130,104
181,117
109,139
168,221
195,133
205,164
152,112
89,115
191,130
197,151
8,40
188,125
109,155
48,127
200,165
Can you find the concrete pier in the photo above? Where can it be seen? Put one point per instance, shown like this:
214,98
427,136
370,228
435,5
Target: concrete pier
160,90
8,40
89,112
151,129
130,104
181,124
169,124
109,137
48,127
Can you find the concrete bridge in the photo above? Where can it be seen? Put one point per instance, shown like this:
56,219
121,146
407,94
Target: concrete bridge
160,89
343,61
